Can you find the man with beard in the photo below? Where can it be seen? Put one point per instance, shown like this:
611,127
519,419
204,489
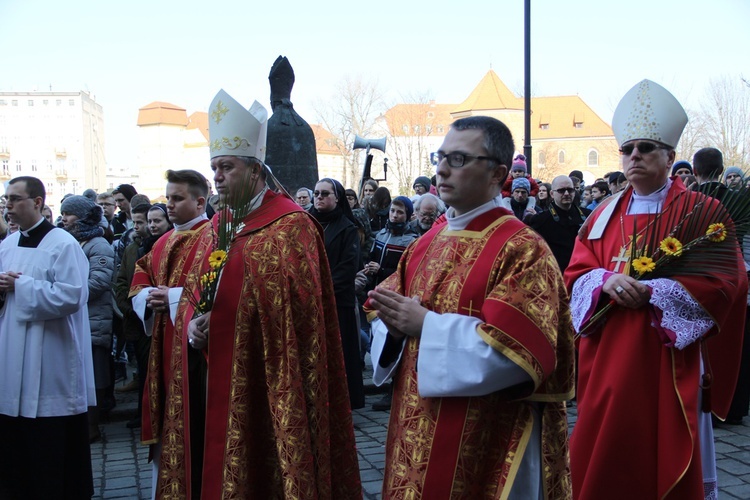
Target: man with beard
427,208
560,224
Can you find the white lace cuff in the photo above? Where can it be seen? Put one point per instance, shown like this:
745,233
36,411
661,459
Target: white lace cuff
682,318
585,296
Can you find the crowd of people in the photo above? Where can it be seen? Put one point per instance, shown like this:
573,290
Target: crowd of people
249,315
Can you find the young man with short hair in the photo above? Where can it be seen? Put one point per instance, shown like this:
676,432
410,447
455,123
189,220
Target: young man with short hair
475,322
47,374
175,381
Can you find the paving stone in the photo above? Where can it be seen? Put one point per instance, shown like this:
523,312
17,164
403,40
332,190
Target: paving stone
740,491
727,479
722,447
121,493
120,482
742,456
372,487
732,466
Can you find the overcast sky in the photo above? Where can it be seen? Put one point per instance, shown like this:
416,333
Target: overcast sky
129,54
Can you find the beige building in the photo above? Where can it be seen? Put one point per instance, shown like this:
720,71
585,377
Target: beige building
170,139
57,137
566,134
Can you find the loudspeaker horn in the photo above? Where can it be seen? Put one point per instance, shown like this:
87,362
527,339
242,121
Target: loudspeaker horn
361,143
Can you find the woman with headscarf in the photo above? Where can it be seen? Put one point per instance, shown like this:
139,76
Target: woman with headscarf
81,217
332,210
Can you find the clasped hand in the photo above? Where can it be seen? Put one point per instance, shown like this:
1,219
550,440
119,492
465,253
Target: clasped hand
626,291
401,315
8,281
158,299
198,331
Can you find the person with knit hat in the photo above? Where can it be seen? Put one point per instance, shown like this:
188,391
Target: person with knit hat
519,170
734,177
389,245
682,167
520,203
81,217
421,185
644,369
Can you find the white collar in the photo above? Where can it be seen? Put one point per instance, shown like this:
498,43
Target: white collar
459,222
189,224
26,232
649,203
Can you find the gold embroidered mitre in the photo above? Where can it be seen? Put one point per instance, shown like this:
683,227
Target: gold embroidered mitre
236,131
649,111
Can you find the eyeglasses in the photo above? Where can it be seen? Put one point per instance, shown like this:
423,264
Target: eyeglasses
456,160
106,204
567,190
322,194
15,199
643,147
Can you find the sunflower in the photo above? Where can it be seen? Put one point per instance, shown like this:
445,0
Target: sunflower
717,232
217,258
671,246
644,264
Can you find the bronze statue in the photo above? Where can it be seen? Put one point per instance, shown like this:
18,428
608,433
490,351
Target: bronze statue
290,152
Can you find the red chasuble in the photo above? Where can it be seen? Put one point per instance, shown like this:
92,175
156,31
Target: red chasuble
173,262
636,435
278,421
502,272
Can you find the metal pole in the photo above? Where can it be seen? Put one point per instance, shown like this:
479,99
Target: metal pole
527,82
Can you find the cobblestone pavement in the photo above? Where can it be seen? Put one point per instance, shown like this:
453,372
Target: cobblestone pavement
121,469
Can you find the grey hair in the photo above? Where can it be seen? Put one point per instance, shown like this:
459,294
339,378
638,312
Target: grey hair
429,196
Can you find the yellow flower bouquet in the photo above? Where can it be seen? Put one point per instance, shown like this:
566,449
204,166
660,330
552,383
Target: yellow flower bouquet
702,240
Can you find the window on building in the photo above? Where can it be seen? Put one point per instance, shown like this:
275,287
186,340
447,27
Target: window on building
561,156
75,187
6,167
71,102
544,126
593,158
49,164
405,128
45,102
578,124
441,129
58,102
18,165
31,102
542,158
14,102
3,102
49,187
430,114
33,165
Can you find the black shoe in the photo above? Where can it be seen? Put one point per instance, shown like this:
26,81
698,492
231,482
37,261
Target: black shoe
134,423
384,403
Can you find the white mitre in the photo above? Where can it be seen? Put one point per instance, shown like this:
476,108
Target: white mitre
649,111
235,131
